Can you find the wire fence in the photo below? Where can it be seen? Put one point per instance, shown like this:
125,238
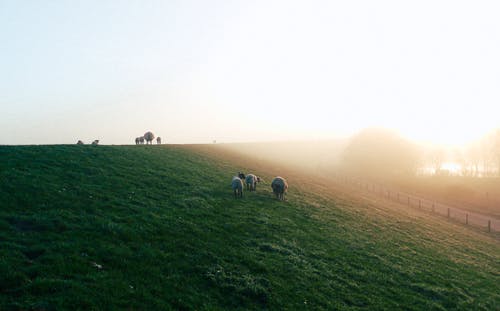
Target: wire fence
452,212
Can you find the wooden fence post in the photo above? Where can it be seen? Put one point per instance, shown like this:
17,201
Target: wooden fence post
466,219
489,225
433,207
448,212
419,203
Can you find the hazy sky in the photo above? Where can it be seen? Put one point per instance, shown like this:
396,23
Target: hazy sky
195,71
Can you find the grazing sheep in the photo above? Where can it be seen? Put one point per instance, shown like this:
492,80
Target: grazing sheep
279,186
79,142
95,142
251,181
158,140
237,186
137,140
149,136
141,140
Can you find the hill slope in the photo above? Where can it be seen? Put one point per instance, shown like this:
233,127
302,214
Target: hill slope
154,227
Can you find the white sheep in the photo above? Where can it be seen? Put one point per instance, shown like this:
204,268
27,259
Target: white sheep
251,181
237,186
158,140
280,187
149,136
95,142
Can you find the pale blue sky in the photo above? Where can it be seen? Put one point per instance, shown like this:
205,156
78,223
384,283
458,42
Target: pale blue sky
194,71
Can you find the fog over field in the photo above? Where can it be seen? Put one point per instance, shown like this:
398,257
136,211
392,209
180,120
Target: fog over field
466,176
403,93
385,90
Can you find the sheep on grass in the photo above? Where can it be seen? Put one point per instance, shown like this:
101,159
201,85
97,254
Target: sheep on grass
237,186
279,186
251,181
149,136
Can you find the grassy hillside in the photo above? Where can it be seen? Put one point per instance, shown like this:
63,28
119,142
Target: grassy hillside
150,227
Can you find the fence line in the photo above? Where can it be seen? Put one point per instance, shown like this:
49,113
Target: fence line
404,198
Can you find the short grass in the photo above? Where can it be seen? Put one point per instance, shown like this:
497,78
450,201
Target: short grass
157,228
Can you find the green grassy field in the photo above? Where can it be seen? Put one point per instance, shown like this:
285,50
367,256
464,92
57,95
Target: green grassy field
157,228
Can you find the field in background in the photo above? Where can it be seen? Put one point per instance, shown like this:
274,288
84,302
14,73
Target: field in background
323,158
156,227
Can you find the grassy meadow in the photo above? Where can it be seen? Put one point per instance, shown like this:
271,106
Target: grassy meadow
157,228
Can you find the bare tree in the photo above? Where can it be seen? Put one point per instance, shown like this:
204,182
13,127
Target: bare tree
474,155
464,161
380,152
496,149
437,157
489,154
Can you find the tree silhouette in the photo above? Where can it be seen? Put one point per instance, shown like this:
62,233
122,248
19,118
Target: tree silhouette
380,152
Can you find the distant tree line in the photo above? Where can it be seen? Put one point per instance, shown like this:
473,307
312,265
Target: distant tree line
482,158
382,152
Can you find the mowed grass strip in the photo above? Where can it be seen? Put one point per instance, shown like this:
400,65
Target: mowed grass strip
157,227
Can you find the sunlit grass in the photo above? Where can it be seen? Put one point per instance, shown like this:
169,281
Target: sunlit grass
153,227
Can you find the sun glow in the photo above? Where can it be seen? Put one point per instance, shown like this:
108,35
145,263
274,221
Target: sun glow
251,71
451,167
